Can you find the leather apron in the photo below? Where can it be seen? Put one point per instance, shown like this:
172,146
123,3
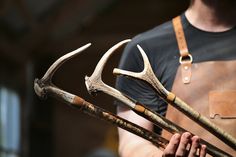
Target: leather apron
209,88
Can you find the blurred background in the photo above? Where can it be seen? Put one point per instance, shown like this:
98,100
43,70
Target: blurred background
33,34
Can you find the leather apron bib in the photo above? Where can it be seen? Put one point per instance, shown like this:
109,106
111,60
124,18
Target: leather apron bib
209,88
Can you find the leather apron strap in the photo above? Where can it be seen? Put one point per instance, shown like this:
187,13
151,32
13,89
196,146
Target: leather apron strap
185,57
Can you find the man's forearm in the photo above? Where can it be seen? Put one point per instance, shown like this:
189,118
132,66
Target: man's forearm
135,147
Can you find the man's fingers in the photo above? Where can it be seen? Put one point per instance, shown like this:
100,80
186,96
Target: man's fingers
179,146
184,141
172,146
203,151
194,147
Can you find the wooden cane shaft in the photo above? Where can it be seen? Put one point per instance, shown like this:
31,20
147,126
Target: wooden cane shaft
171,127
102,114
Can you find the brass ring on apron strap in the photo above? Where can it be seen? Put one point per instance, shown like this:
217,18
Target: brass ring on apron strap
188,58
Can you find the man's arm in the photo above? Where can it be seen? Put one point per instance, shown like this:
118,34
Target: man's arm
131,145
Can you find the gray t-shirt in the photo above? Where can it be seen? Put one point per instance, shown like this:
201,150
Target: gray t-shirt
161,47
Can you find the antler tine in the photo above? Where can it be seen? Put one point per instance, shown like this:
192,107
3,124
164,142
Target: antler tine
52,69
137,75
46,79
100,66
145,59
97,74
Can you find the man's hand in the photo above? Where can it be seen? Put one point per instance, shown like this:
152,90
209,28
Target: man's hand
184,145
